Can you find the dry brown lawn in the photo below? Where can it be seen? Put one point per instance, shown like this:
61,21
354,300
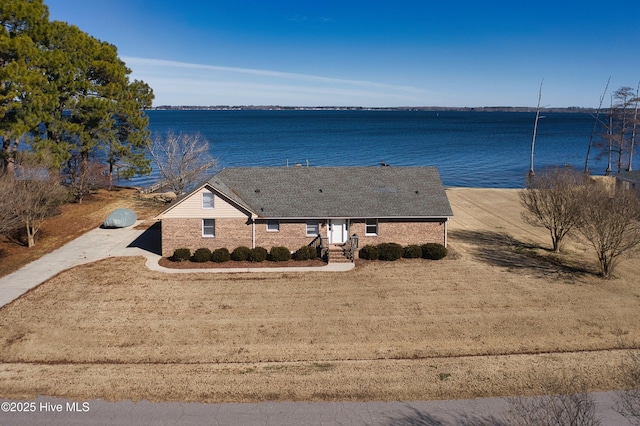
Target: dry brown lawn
499,316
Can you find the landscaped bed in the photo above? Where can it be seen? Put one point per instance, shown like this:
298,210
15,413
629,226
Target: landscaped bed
168,263
384,252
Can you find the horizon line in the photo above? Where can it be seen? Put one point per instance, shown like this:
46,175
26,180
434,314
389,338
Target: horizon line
433,107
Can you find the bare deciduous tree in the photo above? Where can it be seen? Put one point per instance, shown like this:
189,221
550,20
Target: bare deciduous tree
33,193
562,200
552,201
621,129
610,223
83,177
634,128
9,222
566,402
182,159
628,401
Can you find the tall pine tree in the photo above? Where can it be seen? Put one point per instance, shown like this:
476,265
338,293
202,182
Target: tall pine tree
73,97
23,94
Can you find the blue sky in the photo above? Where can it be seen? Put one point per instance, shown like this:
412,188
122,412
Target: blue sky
369,53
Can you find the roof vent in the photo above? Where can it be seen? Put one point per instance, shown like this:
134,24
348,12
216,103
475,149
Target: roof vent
320,190
417,192
257,191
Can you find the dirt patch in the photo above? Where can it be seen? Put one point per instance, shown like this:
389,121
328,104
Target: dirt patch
499,316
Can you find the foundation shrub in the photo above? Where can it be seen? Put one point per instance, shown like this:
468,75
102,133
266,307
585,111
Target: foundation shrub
313,252
390,251
301,254
258,254
181,255
433,251
279,254
221,255
368,252
240,253
305,253
201,255
412,252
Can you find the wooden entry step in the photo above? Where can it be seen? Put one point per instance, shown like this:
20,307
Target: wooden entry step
337,254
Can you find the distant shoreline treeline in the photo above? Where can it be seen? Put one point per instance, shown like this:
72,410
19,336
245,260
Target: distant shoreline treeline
354,108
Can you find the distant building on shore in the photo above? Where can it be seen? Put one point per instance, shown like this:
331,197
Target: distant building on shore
629,181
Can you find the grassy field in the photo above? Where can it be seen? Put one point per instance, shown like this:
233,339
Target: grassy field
500,316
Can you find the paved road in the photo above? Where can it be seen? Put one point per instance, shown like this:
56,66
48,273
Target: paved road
479,412
103,243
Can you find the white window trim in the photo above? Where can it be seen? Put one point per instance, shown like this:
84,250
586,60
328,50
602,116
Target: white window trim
277,222
316,223
369,234
213,198
214,229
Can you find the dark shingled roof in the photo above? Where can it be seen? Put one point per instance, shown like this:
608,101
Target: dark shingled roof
338,192
633,176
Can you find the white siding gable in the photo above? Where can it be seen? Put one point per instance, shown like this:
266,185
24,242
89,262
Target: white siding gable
191,207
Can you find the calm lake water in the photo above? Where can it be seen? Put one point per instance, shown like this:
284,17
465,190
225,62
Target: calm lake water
473,149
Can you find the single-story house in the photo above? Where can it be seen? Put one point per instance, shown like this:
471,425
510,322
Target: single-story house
629,180
296,206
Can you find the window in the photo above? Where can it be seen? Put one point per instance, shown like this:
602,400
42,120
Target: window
273,226
371,227
312,228
207,200
208,228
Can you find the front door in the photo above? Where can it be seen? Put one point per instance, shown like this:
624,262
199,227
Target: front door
338,231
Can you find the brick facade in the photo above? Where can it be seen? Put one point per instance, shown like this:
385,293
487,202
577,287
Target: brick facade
292,234
235,232
404,232
232,233
182,232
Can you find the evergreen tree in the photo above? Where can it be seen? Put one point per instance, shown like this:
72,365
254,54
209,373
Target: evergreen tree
22,82
69,92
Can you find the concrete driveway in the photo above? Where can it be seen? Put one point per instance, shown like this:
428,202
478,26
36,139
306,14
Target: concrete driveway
103,243
94,245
